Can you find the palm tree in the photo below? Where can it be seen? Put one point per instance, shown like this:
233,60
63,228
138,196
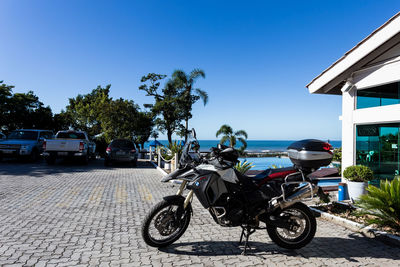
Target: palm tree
232,137
186,82
154,134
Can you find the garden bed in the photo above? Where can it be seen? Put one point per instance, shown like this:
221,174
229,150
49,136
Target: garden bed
349,212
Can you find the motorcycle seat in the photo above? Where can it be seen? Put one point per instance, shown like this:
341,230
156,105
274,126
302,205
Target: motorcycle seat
271,174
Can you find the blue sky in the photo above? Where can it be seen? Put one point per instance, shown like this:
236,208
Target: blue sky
258,55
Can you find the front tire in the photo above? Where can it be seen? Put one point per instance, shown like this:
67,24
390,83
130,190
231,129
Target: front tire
304,227
166,222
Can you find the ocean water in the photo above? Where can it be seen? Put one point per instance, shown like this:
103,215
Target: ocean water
254,145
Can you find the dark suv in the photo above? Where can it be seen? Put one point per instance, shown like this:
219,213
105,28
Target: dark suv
121,150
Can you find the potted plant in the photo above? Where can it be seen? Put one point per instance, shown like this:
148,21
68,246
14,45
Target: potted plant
357,180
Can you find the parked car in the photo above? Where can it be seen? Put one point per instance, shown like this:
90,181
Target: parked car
121,150
24,143
2,136
69,144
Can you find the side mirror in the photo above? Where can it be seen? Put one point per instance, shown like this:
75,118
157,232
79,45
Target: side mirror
41,139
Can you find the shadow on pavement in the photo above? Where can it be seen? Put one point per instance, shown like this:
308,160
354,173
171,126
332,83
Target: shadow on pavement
321,247
40,168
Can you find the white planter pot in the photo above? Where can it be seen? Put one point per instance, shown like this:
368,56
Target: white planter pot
356,189
167,166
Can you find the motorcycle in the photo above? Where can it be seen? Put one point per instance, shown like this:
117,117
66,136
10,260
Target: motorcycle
271,198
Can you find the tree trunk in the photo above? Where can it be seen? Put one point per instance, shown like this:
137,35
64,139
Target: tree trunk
169,134
186,129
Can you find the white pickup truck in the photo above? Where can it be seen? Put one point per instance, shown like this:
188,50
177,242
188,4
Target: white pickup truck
69,144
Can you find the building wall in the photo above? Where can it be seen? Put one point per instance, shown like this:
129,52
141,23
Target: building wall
385,69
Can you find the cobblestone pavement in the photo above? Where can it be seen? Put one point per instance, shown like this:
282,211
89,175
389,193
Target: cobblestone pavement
67,215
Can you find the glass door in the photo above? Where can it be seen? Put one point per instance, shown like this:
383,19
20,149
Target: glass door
389,150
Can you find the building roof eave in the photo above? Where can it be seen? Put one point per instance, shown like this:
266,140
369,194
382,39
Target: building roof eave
319,85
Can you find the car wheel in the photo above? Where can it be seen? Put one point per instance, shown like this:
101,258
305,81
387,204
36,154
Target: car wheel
85,159
134,163
34,156
51,160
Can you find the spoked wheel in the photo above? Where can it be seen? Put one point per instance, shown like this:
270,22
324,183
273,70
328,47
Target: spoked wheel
301,231
166,222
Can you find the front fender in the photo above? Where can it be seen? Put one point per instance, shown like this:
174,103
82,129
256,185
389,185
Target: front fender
178,199
173,175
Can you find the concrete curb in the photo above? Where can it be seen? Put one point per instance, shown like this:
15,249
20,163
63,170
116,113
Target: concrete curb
159,169
367,231
164,173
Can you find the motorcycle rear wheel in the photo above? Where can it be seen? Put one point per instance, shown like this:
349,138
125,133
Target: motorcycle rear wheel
160,227
303,231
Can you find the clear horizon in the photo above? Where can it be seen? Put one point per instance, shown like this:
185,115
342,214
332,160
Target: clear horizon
258,56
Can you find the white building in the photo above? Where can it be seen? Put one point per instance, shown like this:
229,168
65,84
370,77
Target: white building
368,78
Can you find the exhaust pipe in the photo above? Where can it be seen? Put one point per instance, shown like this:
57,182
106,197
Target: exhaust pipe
300,194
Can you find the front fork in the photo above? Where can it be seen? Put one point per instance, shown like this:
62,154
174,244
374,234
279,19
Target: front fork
188,198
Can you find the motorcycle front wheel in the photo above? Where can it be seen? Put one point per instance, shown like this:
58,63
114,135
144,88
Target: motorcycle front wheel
166,222
302,227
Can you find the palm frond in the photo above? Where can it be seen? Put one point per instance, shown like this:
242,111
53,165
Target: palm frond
196,73
179,74
383,203
244,166
244,143
241,133
225,129
203,95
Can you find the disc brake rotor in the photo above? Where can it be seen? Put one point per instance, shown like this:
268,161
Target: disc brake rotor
165,223
296,229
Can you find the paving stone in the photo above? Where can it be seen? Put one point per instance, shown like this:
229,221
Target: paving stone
74,215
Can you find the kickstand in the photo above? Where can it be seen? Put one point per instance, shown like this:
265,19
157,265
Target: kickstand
246,232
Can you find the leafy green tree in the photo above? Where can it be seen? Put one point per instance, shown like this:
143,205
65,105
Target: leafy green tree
86,111
118,119
228,135
23,110
189,95
5,104
166,107
144,128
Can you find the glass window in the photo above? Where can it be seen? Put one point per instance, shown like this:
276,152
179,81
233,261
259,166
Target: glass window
70,135
23,135
383,95
122,143
377,146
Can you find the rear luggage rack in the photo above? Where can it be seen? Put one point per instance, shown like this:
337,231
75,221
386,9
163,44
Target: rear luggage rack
302,188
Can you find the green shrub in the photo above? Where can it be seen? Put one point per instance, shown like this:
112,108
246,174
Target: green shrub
176,147
358,173
244,166
337,154
383,203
